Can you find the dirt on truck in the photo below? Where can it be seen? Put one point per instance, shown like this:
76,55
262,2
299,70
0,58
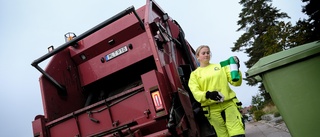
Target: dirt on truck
127,76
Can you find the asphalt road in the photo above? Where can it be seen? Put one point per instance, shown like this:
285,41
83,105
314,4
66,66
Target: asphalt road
259,129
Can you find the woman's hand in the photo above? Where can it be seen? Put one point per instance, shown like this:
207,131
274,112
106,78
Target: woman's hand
215,95
236,59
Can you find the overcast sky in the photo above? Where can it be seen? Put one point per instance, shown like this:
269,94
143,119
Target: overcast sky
27,28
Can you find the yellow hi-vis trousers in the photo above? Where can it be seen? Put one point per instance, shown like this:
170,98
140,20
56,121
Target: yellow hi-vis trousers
232,125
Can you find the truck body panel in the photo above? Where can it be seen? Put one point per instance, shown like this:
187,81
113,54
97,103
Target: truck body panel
126,76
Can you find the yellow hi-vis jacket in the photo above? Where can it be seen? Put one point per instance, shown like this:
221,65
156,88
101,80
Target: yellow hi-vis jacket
212,78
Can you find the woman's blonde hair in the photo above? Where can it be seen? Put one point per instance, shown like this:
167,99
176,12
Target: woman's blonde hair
199,48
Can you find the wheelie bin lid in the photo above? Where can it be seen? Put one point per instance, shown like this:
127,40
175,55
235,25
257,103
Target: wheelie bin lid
282,58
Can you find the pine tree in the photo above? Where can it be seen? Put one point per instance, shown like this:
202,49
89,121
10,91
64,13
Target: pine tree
264,33
311,25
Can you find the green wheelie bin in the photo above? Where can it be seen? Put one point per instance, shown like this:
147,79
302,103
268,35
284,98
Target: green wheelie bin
292,77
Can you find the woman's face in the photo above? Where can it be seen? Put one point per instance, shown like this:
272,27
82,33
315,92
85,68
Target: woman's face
204,55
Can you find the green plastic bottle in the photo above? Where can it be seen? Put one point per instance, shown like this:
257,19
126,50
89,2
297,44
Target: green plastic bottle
234,68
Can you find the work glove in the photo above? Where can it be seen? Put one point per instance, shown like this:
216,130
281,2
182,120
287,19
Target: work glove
215,95
236,59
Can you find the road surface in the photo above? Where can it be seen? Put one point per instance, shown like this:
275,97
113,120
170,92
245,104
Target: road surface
259,129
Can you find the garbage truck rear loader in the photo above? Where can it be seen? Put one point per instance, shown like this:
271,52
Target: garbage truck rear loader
127,76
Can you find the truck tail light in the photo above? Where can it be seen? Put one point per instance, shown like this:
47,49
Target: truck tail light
156,97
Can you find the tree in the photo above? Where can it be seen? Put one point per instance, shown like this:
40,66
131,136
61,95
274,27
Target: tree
264,33
307,30
256,17
312,9
257,101
299,33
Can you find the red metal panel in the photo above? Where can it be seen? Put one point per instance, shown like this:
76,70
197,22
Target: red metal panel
174,29
64,71
165,90
187,106
149,17
98,41
131,109
93,70
38,126
103,45
88,127
154,80
173,76
66,128
126,111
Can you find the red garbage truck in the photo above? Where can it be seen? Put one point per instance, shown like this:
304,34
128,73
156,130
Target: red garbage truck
127,76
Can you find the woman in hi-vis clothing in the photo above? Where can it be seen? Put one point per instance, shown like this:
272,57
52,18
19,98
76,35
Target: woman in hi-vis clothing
209,84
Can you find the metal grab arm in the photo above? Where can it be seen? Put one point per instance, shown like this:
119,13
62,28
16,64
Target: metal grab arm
78,38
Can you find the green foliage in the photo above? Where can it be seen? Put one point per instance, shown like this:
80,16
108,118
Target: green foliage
270,109
265,33
253,109
257,114
276,114
256,17
257,102
300,34
312,24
